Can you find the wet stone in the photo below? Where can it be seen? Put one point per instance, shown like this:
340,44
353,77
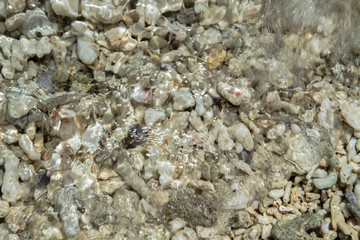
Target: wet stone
193,208
42,179
136,136
298,228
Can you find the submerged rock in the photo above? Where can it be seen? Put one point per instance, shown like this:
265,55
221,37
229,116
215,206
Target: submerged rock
298,228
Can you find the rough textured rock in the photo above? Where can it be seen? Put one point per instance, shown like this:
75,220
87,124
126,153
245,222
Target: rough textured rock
298,228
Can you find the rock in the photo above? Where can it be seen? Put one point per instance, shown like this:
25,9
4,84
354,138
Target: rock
114,35
157,42
276,131
196,122
253,233
136,136
325,116
224,140
345,172
43,47
111,185
11,135
241,219
6,69
166,171
92,137
301,154
85,42
352,204
42,178
27,146
183,99
67,8
213,15
276,194
205,232
153,116
326,182
351,114
4,208
19,105
30,130
98,11
234,95
236,201
169,5
141,94
179,121
14,22
177,224
37,25
208,39
11,188
195,209
298,228
242,134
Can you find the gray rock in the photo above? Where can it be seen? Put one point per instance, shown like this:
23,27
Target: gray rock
298,228
353,204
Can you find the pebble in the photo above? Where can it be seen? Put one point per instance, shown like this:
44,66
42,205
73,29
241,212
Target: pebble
276,194
15,21
276,131
153,116
326,182
19,105
242,135
183,99
67,8
4,208
351,114
28,147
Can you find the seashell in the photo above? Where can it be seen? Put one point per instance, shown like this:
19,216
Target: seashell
14,22
37,24
67,8
103,12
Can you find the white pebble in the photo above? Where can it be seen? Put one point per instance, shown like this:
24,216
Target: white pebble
183,99
153,116
242,135
276,194
276,131
177,224
320,173
28,147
